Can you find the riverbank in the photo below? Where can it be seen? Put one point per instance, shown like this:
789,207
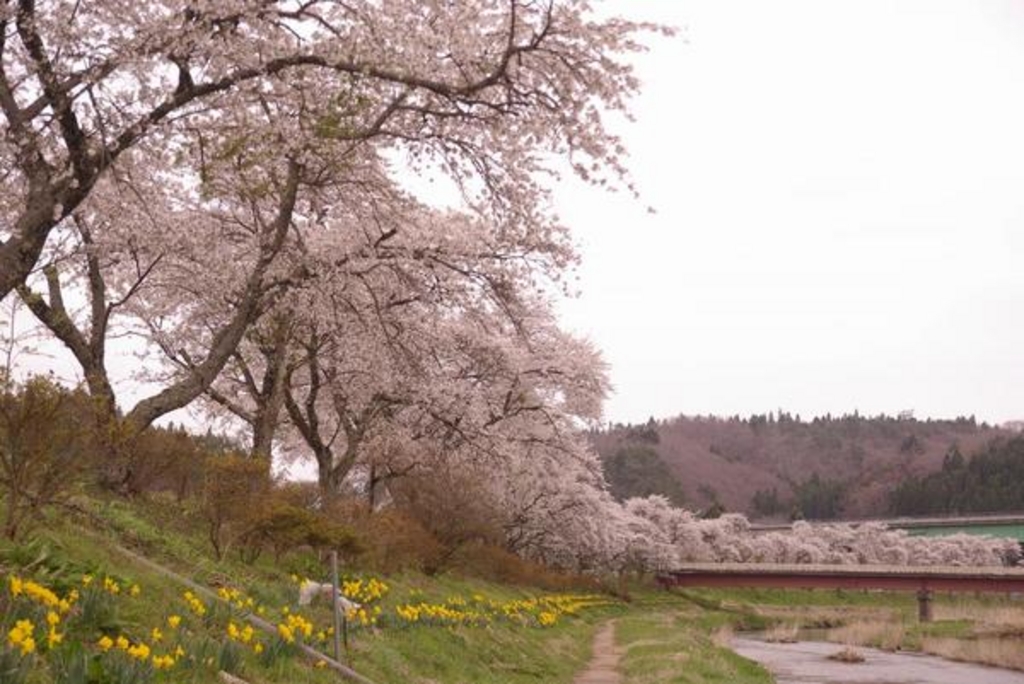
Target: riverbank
984,629
807,661
168,611
439,629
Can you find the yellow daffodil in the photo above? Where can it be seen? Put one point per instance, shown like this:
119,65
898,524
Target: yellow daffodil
164,662
21,636
40,594
139,651
28,645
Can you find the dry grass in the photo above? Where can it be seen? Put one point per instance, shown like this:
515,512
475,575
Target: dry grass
974,629
989,651
828,616
848,655
782,633
999,618
886,635
722,636
995,635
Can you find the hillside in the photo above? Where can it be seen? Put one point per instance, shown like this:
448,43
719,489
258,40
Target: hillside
990,480
124,618
777,465
115,591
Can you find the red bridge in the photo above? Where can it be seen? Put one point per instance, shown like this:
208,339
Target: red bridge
923,580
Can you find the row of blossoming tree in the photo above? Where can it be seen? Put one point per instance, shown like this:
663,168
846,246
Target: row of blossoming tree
238,186
233,185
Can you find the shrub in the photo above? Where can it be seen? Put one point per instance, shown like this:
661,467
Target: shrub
390,540
282,526
43,448
232,487
164,460
456,509
497,564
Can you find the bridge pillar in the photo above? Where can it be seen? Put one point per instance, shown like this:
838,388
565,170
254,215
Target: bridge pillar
924,605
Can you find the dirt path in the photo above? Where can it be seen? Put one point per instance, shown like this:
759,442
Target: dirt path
602,668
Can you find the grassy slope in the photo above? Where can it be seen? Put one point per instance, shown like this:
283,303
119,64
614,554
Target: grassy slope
666,638
674,640
67,546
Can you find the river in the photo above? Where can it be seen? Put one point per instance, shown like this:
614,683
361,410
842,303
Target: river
807,662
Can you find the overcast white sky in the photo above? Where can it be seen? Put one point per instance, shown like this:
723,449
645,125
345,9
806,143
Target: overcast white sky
839,190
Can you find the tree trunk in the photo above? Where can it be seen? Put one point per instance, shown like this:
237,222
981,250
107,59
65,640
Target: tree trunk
271,395
227,339
325,482
20,253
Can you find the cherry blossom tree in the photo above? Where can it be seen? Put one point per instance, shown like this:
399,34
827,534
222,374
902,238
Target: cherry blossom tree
437,378
406,318
484,90
117,269
730,539
245,128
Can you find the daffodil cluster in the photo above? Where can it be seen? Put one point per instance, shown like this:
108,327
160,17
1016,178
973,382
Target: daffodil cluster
362,617
542,611
364,591
40,595
439,614
294,626
53,637
49,617
194,604
40,598
547,618
237,599
111,586
22,637
140,651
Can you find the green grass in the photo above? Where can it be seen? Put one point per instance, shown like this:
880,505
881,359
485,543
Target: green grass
815,597
65,547
679,647
666,637
956,629
473,654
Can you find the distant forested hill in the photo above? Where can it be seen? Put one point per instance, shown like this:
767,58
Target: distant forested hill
990,480
778,466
